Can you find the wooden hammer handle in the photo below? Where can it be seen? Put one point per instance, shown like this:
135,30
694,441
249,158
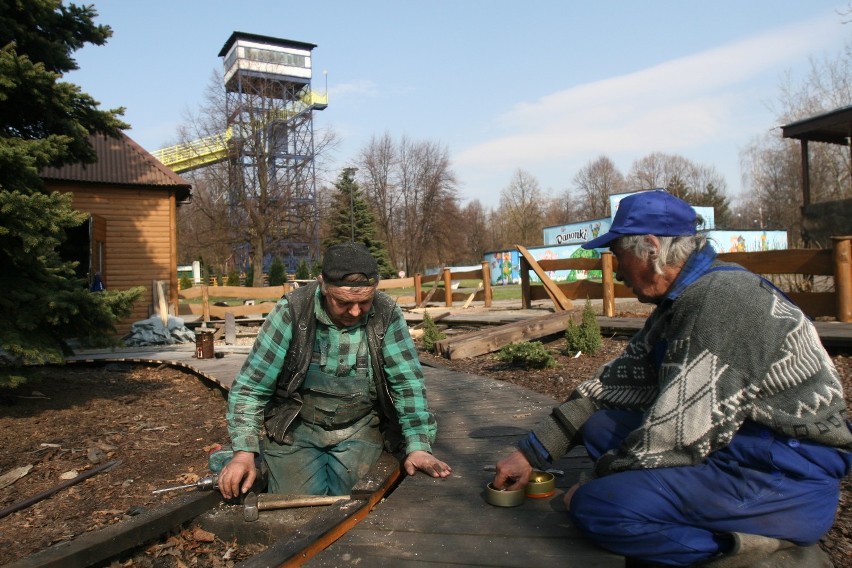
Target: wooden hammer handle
271,501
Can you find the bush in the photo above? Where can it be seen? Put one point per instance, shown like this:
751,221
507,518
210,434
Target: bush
431,333
302,271
530,354
277,273
233,278
586,337
185,282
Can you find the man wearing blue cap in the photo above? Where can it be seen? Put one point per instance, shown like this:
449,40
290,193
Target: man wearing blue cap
720,434
333,377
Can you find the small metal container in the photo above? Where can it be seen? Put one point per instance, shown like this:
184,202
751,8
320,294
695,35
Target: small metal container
541,484
503,498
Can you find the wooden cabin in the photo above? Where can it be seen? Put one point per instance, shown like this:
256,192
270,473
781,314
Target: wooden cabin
130,238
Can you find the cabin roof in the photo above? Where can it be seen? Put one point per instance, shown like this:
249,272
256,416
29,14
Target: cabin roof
121,161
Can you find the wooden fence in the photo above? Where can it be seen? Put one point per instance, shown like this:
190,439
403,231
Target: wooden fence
835,262
263,299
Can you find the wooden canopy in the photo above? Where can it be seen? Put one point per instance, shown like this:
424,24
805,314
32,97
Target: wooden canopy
834,127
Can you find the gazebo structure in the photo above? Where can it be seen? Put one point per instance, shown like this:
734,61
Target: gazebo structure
822,220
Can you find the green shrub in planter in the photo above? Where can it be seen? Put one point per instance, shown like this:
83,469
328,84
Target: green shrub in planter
585,337
431,333
530,354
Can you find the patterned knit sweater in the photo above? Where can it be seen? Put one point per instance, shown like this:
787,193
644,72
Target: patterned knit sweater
727,349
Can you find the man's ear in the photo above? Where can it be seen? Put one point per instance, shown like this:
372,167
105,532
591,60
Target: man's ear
653,246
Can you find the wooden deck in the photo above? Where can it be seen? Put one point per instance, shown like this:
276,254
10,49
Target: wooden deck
428,522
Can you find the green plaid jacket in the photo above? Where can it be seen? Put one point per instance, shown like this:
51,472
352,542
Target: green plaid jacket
255,384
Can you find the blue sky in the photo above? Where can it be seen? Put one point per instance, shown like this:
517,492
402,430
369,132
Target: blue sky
546,86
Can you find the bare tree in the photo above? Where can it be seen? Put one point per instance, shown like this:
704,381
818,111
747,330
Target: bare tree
412,189
268,204
595,182
472,230
771,169
659,170
522,208
377,164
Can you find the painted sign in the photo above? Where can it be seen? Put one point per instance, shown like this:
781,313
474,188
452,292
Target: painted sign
576,233
505,267
747,241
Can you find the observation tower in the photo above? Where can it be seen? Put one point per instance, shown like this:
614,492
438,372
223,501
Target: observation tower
270,136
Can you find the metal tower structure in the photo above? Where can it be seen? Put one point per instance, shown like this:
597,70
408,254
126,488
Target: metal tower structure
270,137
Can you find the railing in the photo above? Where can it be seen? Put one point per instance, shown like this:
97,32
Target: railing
836,262
208,311
195,154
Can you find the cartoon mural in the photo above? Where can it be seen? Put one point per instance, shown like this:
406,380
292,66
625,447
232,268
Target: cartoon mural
505,267
748,241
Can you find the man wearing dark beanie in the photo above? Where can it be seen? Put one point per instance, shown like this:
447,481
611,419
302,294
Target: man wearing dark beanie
720,434
333,379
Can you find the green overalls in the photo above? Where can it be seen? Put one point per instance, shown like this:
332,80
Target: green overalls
326,431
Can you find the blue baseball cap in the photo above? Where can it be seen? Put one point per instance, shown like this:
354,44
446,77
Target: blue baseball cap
654,212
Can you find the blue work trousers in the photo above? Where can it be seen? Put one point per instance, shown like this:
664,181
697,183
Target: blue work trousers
761,483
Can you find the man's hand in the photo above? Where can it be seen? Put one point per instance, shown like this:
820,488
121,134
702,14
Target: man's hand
238,475
513,472
427,463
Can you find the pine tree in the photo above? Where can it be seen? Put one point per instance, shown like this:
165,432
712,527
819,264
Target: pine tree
45,122
353,221
277,272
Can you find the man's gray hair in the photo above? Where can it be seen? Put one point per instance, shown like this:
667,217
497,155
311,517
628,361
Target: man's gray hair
673,250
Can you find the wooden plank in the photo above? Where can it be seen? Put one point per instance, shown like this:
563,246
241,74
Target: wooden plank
559,299
493,339
785,261
470,298
94,547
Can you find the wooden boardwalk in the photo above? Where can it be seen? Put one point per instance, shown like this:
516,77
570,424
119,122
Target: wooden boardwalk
447,522
429,522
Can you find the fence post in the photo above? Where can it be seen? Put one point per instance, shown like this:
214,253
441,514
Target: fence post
205,305
524,266
486,283
843,277
418,289
448,287
608,292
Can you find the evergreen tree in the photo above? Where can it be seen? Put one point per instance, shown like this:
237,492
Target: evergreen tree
353,221
45,122
277,272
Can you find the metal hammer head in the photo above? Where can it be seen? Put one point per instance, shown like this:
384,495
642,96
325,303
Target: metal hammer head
250,510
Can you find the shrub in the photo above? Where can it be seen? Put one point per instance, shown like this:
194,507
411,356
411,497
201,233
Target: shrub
277,273
431,333
530,354
185,282
585,337
233,278
302,271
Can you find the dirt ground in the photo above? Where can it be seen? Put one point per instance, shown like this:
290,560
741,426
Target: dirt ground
160,423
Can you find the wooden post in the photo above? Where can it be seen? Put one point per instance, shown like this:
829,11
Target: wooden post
230,329
608,292
205,305
418,289
448,287
843,277
486,282
526,301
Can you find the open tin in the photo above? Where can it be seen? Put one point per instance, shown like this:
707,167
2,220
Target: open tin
541,484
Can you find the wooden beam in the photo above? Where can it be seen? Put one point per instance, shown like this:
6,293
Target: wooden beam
493,339
559,299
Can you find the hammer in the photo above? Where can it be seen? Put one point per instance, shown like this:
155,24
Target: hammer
254,503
